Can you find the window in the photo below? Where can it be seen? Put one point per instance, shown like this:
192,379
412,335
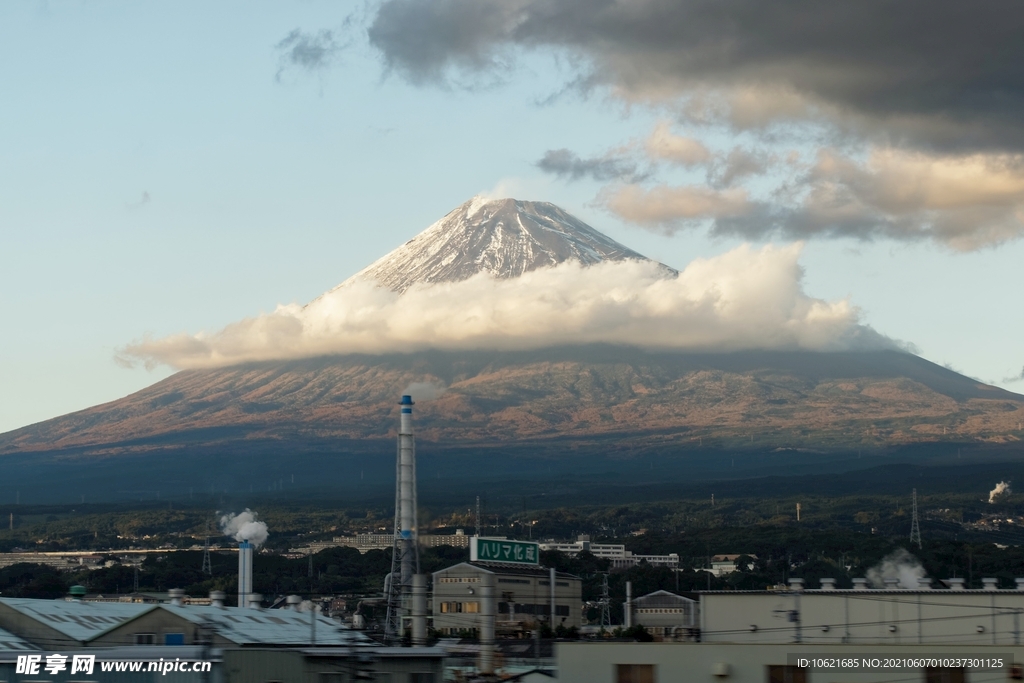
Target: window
421,677
471,607
634,673
561,610
145,638
174,639
786,674
937,675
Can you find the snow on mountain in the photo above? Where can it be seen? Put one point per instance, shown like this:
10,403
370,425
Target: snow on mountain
502,237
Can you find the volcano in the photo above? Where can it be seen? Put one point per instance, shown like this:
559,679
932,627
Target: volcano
591,400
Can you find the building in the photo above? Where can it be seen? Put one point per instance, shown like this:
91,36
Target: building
621,662
523,596
239,645
860,615
666,616
858,635
56,624
726,564
615,553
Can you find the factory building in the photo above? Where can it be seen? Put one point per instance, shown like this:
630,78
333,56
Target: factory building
523,596
56,624
858,635
666,616
238,644
615,553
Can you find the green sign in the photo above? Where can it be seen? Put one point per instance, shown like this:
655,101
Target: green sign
508,552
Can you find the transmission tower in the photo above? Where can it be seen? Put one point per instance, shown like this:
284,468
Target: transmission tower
478,516
606,617
207,568
915,528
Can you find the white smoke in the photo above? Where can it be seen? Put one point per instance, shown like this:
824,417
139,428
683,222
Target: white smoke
747,298
1001,490
898,564
244,527
425,391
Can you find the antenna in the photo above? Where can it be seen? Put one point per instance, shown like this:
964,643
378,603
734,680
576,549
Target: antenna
915,528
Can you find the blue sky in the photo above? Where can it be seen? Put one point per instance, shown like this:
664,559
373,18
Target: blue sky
165,168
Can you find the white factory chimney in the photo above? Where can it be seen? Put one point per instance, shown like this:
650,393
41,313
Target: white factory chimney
244,573
405,552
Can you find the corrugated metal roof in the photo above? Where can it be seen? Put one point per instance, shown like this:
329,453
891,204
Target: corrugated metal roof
268,627
81,621
9,641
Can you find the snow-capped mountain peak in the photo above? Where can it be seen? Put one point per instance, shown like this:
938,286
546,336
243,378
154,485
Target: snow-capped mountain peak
502,237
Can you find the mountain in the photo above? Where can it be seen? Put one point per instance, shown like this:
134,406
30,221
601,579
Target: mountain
587,407
503,238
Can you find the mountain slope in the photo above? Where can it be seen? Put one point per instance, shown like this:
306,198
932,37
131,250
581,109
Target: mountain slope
629,398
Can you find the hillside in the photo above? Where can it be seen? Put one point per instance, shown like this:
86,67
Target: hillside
627,397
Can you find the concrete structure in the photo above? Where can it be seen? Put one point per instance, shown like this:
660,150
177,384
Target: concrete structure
859,616
615,553
522,595
726,564
618,662
666,616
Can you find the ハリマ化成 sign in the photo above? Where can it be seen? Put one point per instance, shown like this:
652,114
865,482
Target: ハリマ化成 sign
497,550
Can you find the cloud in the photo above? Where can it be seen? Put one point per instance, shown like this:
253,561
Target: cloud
963,202
744,299
308,51
668,209
665,145
566,164
936,72
1015,378
739,163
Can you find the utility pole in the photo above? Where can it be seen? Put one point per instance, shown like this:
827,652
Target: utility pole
915,527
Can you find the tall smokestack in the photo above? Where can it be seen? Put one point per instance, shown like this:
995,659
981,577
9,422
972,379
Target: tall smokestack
244,573
405,561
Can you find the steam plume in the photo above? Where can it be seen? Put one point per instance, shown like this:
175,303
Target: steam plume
425,391
244,527
1001,490
898,564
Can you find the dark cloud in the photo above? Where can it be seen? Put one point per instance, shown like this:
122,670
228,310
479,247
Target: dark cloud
942,74
738,164
308,51
567,164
